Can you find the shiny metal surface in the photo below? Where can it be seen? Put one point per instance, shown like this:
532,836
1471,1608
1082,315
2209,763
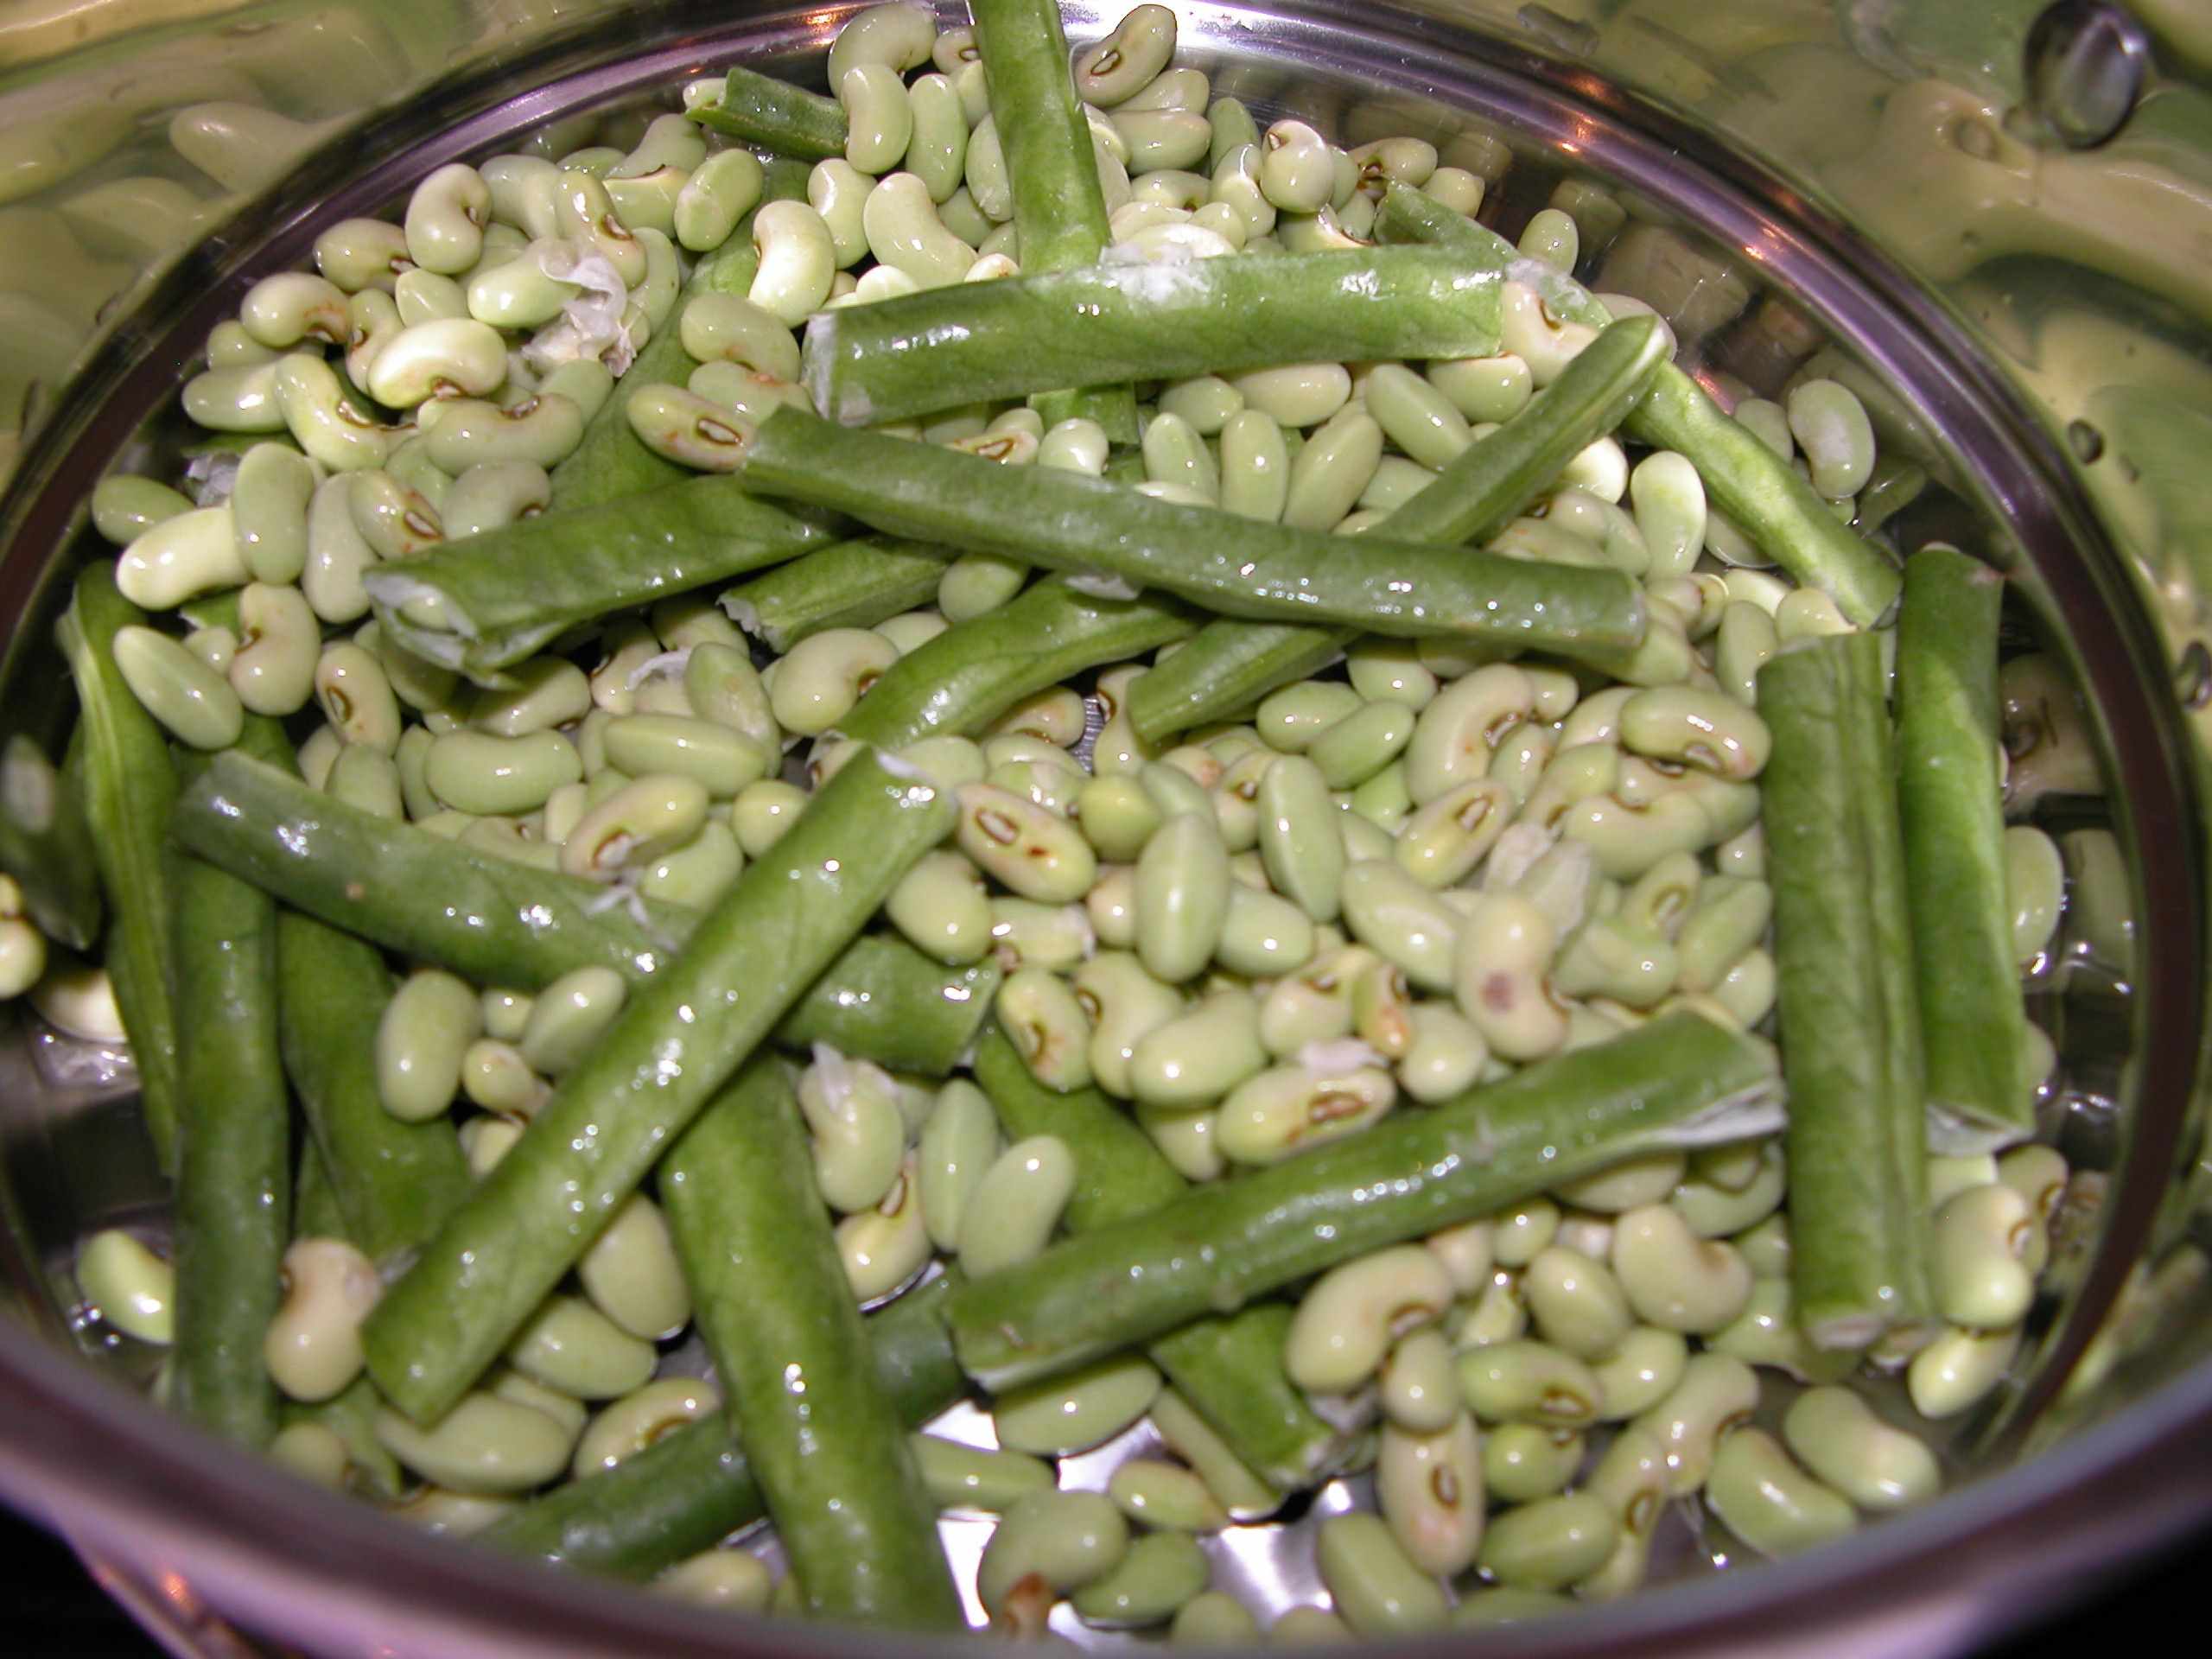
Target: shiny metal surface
1904,174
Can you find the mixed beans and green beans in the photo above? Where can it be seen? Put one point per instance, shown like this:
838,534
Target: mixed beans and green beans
1004,738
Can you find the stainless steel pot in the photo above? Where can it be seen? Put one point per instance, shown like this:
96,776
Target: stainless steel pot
2005,220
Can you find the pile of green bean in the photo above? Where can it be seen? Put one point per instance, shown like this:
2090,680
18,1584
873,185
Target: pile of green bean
1200,799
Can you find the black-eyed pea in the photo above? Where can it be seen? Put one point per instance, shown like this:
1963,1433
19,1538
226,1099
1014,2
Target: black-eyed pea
1197,1058
728,1581
1395,915
976,1480
312,1450
1518,1236
2038,1174
1166,1496
1026,933
1124,1003
180,557
637,823
883,1248
1766,1333
1050,1544
1643,1370
1503,951
1673,1277
1418,1388
951,762
1288,1109
1264,935
1981,1237
1161,1572
1765,1498
485,1446
313,1346
1700,728
1315,1004
486,1139
1378,1591
1383,1010
1630,1479
1214,1619
1747,991
1730,1189
1576,1303
1031,851
1347,1320
1716,1394
1446,1056
1495,1312
178,688
334,430
1836,1435
1522,1462
1521,1381
1465,1252
632,1275
1040,1016
1629,839
941,907
1648,1178
860,1137
1064,1415
1015,1206
1550,1543
422,1037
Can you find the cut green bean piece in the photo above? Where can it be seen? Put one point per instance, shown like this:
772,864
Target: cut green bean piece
775,115
693,1487
1677,1080
395,1183
680,1035
1747,481
825,1442
233,1182
1973,1021
130,790
1104,324
1857,1144
45,843
483,604
496,922
1223,564
970,675
853,584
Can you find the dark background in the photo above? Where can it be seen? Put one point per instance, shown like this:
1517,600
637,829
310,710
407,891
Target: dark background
48,1607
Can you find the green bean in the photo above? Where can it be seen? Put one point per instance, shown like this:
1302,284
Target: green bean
130,792
1490,481
234,1149
831,1458
693,1486
1858,1163
1744,478
1971,1015
520,1228
1091,1295
853,584
1104,324
1060,211
966,677
45,844
773,115
1079,524
462,606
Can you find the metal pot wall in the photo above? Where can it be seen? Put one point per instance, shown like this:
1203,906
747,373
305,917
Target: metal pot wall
2003,222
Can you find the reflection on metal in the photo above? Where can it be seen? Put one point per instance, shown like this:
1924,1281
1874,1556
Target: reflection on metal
2085,61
